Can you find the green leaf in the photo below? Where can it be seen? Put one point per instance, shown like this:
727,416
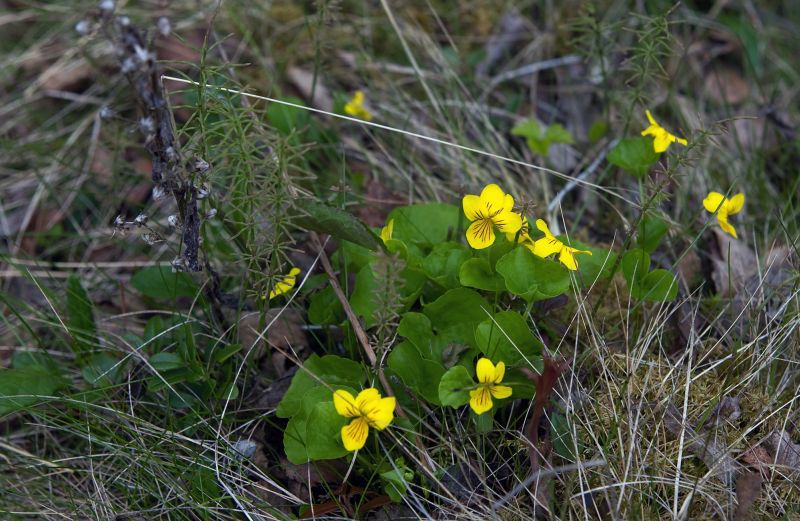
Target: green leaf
457,306
528,128
24,387
416,327
507,337
286,119
336,222
556,133
159,282
538,139
595,266
532,278
476,273
323,432
324,308
101,369
166,361
332,370
315,432
634,155
363,298
454,387
418,373
444,262
395,483
220,355
659,285
635,265
563,442
651,230
426,224
598,129
80,319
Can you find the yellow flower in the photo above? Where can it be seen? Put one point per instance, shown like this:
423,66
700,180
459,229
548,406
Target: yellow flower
489,375
285,284
549,245
368,409
522,234
386,231
355,107
716,202
492,208
663,139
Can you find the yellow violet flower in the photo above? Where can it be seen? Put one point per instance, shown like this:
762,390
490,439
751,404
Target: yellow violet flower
368,409
716,202
355,107
386,231
521,235
549,244
492,208
285,284
663,139
489,375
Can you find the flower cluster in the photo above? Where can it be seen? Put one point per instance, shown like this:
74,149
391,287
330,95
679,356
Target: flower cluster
715,202
493,208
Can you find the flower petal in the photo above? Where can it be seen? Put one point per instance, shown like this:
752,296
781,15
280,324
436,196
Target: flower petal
499,372
480,399
546,246
567,258
508,203
508,222
345,404
651,119
661,141
480,234
713,201
735,204
651,131
386,231
381,413
354,435
722,219
542,227
366,399
494,198
474,208
484,370
500,391
285,284
681,141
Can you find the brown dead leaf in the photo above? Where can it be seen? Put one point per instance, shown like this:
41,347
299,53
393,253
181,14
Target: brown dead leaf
303,81
733,262
748,489
285,335
783,451
724,85
65,75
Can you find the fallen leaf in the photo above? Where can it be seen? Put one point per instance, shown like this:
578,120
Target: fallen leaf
65,75
748,489
724,85
303,80
733,262
783,450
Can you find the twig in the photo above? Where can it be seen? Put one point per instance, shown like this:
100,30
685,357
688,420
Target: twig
362,338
